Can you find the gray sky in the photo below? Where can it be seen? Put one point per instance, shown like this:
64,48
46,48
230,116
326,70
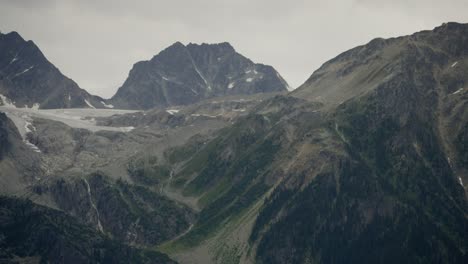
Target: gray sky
96,42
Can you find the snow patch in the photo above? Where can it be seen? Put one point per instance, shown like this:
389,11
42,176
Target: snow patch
69,97
165,78
32,146
28,127
210,116
199,73
239,110
458,91
126,129
107,105
89,104
252,71
77,118
231,85
23,72
172,111
461,182
35,106
249,79
454,64
7,102
195,92
218,58
14,59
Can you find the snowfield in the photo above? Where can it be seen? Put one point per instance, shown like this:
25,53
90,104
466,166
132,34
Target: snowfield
74,117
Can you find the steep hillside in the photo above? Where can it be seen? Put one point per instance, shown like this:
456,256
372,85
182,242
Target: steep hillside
181,75
20,164
398,195
37,234
133,214
414,77
370,170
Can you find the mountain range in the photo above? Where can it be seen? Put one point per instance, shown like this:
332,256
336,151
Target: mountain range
366,162
179,75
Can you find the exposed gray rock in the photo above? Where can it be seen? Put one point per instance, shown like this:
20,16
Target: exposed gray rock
181,75
28,79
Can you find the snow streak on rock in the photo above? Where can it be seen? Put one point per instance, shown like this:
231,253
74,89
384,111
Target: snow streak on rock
99,226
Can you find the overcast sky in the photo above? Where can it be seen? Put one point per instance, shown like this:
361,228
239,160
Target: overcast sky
96,42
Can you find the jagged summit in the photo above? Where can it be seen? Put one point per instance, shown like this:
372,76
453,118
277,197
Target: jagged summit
13,35
185,74
220,47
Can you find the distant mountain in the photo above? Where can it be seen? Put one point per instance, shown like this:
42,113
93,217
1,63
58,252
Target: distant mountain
181,75
28,79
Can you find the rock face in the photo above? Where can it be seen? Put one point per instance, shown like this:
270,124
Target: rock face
182,75
133,214
4,131
28,79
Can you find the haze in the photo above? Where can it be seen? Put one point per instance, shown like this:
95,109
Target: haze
97,42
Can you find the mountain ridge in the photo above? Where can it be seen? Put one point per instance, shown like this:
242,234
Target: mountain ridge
185,74
28,79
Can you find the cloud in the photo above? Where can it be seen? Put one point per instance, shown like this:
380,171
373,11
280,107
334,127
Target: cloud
96,42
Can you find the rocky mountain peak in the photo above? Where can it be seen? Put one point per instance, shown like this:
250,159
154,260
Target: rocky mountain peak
28,79
181,75
177,47
12,36
221,48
